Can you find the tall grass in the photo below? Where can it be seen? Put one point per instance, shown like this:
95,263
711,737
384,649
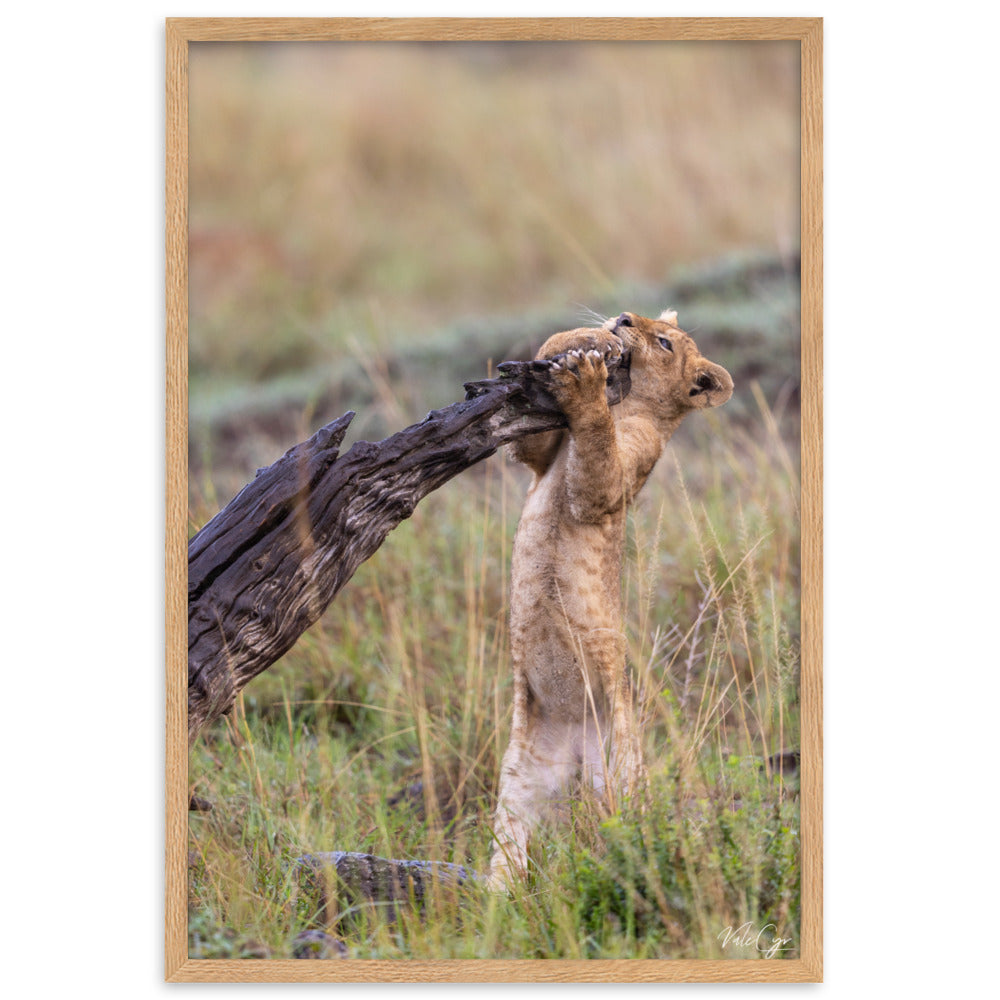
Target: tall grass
382,732
369,226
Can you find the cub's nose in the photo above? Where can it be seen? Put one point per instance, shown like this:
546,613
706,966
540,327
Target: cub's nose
614,325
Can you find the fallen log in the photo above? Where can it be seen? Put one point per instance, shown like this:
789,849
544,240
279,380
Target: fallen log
268,565
333,882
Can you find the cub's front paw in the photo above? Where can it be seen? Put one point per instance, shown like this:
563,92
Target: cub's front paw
578,381
608,343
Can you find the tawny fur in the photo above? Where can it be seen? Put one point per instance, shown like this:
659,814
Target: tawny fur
573,710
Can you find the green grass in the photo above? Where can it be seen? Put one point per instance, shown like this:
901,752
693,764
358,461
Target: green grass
369,229
381,731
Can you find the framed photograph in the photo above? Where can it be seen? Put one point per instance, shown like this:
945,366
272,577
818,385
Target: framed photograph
494,511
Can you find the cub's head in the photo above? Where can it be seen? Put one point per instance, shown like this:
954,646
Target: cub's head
668,372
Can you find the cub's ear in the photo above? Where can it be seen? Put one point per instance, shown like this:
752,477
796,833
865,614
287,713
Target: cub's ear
669,316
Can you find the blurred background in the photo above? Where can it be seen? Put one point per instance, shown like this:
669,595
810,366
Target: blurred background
371,224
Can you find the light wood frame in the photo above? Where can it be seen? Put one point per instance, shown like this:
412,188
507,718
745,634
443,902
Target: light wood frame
809,33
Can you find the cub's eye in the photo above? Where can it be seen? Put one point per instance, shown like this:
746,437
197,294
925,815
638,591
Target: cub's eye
665,344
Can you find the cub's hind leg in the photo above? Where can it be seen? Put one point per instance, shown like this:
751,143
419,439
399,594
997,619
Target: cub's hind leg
614,764
537,767
626,765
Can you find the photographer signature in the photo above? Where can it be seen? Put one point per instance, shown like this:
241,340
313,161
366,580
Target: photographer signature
765,940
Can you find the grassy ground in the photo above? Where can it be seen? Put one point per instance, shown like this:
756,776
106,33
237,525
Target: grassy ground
382,730
340,260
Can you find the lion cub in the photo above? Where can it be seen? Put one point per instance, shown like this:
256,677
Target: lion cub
573,713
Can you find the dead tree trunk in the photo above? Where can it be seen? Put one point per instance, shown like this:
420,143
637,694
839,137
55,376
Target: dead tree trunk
267,566
331,881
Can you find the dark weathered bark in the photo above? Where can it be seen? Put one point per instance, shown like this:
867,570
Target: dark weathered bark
338,880
267,566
